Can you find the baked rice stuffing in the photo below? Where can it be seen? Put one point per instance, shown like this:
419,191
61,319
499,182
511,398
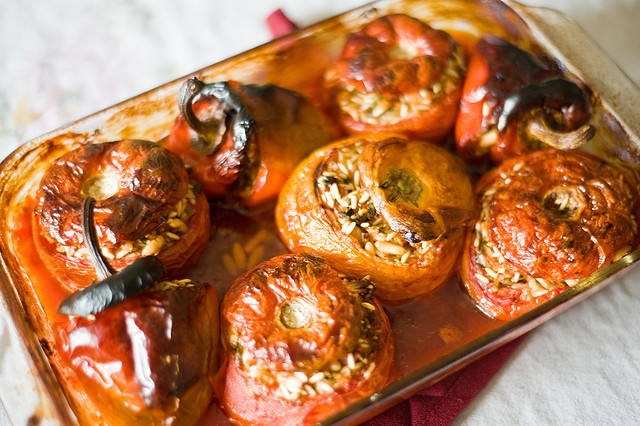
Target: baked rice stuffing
374,108
350,210
497,271
174,227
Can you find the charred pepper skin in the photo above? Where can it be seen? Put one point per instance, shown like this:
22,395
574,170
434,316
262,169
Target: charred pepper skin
242,141
515,102
114,286
133,279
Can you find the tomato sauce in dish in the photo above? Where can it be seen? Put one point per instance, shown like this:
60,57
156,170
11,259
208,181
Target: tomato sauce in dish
49,290
425,330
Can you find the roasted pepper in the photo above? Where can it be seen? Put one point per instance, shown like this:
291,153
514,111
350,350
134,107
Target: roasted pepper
241,142
515,102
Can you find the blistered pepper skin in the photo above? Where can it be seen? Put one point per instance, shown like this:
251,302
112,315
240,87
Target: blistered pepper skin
504,85
247,163
146,360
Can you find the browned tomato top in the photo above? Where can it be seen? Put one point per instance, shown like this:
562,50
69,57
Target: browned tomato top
293,314
134,182
394,54
300,342
398,74
561,215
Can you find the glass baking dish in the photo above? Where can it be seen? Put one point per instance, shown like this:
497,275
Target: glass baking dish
297,62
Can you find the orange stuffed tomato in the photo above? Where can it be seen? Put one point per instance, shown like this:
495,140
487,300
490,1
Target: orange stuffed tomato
380,206
145,205
242,141
146,360
547,220
300,342
398,75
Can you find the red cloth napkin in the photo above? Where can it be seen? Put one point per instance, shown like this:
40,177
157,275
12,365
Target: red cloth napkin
441,403
279,24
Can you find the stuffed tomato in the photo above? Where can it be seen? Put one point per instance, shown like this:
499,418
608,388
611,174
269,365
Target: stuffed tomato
145,205
300,342
380,206
400,75
547,220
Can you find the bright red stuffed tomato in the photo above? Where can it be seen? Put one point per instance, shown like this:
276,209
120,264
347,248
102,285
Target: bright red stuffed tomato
300,342
399,75
547,220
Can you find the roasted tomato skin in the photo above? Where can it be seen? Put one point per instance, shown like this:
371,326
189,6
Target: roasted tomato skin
146,360
547,219
149,182
414,73
286,127
304,224
259,346
506,305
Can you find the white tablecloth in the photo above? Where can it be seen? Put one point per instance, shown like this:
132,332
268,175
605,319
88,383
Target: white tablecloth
62,60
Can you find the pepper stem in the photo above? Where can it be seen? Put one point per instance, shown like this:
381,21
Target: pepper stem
557,94
112,287
103,268
231,114
189,90
539,127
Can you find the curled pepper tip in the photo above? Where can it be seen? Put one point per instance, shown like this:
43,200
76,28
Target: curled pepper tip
230,114
553,94
541,129
542,101
188,90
